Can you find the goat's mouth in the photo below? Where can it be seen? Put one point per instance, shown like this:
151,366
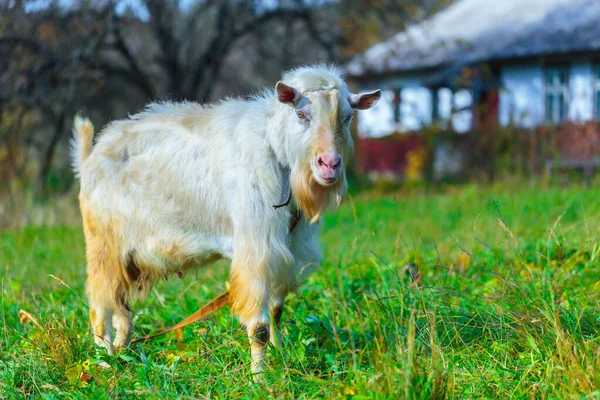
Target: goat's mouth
325,180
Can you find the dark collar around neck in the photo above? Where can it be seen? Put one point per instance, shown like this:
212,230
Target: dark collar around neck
286,188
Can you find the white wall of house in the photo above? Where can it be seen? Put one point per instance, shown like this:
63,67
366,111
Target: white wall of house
523,94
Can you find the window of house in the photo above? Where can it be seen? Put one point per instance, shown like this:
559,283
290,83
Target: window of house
415,108
596,91
462,111
557,94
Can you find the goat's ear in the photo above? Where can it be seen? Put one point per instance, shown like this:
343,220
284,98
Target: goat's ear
286,94
364,101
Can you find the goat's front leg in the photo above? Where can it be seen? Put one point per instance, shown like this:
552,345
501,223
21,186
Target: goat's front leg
259,334
250,302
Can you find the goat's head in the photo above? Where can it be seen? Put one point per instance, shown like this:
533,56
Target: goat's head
319,134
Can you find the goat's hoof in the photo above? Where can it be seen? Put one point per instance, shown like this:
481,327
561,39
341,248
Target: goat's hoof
119,347
121,344
257,370
257,377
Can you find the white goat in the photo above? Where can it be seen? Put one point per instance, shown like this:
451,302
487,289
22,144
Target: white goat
181,185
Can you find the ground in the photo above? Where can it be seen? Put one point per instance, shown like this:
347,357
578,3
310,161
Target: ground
506,304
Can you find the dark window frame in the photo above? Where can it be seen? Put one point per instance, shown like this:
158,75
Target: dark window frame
596,90
396,102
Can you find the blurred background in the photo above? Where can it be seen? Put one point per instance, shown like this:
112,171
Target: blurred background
463,264
473,90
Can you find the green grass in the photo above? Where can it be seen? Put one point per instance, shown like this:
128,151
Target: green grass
509,307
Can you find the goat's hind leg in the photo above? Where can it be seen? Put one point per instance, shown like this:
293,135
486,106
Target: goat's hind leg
101,309
101,319
109,310
106,292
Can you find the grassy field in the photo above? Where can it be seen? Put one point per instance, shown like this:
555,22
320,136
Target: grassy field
509,306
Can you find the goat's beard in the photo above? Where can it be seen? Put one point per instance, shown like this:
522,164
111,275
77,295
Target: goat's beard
311,197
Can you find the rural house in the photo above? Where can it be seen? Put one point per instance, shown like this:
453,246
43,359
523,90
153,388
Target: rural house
479,63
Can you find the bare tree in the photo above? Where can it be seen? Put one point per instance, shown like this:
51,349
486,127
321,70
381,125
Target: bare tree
103,56
42,55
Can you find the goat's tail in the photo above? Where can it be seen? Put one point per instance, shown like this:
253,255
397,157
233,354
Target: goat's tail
81,144
215,305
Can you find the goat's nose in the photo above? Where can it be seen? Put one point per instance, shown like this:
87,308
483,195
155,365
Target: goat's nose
331,161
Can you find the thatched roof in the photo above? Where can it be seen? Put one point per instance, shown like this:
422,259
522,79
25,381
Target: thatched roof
472,31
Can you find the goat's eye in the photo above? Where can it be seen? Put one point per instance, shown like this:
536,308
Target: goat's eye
302,115
348,119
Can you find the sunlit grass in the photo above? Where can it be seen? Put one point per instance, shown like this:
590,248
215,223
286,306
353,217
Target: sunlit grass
509,306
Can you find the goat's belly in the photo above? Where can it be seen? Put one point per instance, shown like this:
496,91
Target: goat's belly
170,253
